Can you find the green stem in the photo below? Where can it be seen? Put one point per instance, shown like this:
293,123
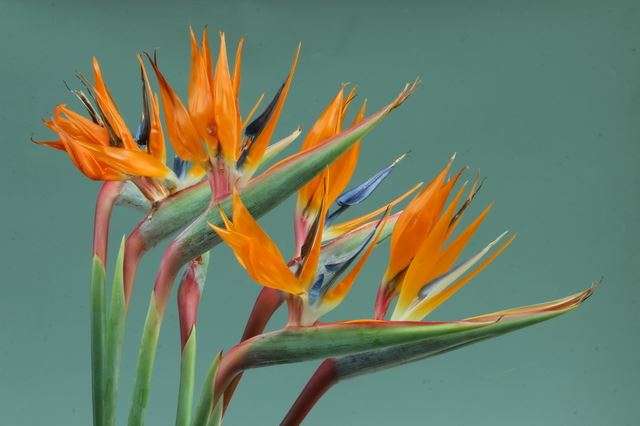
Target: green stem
145,363
115,333
203,408
97,339
187,372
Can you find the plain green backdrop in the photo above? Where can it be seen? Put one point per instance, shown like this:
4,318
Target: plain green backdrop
542,97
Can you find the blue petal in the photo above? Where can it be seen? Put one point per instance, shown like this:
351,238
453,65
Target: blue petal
361,192
179,167
334,270
314,291
144,128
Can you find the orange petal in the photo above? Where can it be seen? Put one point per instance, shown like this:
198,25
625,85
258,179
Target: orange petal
237,68
259,146
228,120
432,303
80,127
256,252
451,253
252,111
129,162
183,135
110,109
422,267
416,221
200,103
325,127
342,169
59,145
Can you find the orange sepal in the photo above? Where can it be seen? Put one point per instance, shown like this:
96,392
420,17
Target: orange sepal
228,121
343,168
200,102
421,269
183,135
416,221
432,303
325,127
259,146
255,251
109,108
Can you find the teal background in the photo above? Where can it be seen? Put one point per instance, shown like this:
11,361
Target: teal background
543,97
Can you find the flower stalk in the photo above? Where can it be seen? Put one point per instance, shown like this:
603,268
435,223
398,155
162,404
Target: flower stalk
212,194
114,335
189,294
107,197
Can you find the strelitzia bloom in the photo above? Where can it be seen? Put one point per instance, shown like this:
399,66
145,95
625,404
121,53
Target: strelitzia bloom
102,147
208,131
326,126
421,271
208,135
265,264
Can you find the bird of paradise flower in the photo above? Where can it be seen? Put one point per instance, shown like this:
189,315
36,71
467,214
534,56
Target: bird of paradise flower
213,193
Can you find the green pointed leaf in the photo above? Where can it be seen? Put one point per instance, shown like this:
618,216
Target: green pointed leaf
260,195
115,332
187,371
146,357
203,410
97,339
503,322
377,344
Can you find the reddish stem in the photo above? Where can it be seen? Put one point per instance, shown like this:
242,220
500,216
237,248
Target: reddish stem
169,267
188,300
267,303
104,206
321,381
134,249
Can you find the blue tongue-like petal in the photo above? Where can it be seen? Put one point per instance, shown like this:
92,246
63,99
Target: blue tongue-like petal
144,128
179,167
361,192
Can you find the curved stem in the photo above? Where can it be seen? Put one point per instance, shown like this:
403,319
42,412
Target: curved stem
189,294
267,303
321,381
107,198
169,268
104,206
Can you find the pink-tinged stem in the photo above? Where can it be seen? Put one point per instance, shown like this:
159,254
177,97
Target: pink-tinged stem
267,303
133,252
231,365
104,206
188,301
169,267
321,381
383,300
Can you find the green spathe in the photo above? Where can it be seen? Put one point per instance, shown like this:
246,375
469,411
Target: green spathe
187,372
260,195
204,415
97,339
403,341
115,333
